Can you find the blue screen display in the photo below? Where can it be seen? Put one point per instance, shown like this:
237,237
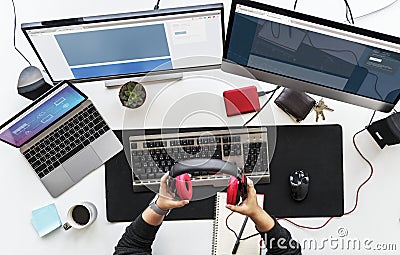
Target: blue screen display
41,116
116,51
315,57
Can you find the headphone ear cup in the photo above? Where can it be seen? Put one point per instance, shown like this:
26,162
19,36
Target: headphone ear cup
183,185
232,191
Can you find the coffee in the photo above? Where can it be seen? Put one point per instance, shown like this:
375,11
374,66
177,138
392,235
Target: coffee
81,215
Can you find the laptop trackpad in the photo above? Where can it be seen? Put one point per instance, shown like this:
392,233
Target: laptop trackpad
82,163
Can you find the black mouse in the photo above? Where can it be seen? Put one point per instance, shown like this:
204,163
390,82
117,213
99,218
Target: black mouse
299,182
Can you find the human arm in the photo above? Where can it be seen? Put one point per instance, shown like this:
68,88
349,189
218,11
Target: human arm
140,234
278,240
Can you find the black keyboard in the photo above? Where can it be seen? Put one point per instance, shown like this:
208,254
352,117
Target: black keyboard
153,155
66,140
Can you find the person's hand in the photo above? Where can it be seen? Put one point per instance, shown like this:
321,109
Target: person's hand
249,206
165,199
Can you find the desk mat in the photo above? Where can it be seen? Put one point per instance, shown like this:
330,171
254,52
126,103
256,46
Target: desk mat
316,149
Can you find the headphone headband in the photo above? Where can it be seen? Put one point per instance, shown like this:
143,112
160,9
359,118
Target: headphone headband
209,165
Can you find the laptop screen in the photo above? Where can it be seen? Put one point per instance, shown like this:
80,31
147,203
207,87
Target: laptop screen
130,44
40,115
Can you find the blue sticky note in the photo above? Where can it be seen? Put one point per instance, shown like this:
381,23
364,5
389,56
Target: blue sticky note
45,219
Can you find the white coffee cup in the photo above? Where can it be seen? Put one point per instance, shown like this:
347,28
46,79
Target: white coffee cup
80,215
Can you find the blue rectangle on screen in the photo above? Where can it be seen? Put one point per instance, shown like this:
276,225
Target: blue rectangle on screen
181,33
122,68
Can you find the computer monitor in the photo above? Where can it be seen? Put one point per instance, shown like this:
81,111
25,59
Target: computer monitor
314,55
129,44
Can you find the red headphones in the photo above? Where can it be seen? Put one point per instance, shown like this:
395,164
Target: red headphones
180,182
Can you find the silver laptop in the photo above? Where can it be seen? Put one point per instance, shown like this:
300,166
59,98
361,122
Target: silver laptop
62,136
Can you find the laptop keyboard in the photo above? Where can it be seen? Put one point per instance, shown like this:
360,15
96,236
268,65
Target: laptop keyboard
153,155
66,141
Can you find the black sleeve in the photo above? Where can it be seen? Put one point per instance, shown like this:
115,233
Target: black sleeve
278,241
137,239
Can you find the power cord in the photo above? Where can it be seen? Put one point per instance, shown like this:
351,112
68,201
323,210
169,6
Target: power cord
265,104
15,28
157,6
234,232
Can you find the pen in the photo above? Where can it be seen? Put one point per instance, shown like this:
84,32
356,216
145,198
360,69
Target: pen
236,246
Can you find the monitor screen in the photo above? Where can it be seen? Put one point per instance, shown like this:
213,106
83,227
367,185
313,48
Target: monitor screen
129,44
314,55
40,115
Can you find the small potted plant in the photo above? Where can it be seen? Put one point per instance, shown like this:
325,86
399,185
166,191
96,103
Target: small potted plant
132,94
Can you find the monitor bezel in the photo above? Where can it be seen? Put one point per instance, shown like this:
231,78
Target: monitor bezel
38,100
118,17
290,82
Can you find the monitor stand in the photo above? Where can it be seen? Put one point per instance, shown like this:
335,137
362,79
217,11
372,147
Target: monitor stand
145,79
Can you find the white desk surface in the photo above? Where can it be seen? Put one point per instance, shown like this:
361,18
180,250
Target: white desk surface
376,218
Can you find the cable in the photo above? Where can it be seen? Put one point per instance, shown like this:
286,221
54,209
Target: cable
265,104
157,6
358,189
15,29
370,175
233,231
226,223
372,117
263,93
250,236
348,11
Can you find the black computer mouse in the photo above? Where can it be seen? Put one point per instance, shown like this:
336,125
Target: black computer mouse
299,182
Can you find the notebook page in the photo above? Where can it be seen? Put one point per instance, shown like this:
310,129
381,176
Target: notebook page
224,239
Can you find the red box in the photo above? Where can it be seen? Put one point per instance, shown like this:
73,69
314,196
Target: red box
242,100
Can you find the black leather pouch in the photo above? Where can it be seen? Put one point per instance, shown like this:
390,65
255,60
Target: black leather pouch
295,103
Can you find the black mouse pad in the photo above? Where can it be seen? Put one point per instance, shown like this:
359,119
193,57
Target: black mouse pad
315,149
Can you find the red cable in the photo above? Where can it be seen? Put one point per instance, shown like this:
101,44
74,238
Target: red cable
357,193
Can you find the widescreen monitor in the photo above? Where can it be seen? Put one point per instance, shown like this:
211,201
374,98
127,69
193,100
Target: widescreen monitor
129,44
314,55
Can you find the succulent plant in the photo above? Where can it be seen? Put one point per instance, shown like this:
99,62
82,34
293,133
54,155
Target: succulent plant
132,94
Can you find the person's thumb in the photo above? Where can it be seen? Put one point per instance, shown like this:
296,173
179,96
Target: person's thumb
181,203
234,208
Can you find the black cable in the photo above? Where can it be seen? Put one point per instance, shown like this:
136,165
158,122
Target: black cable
348,11
157,6
250,236
15,29
265,104
372,117
227,225
263,93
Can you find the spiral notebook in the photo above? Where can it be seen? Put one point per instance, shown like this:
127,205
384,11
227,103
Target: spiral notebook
224,239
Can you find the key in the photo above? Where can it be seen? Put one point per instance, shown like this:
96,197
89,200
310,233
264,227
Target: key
319,109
